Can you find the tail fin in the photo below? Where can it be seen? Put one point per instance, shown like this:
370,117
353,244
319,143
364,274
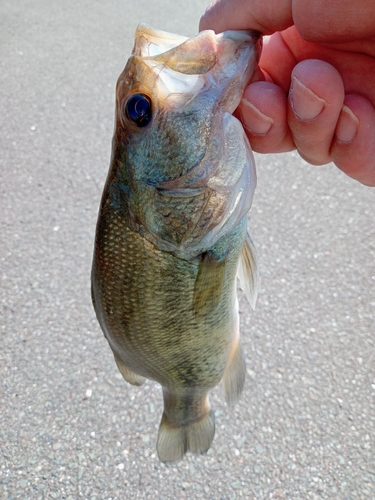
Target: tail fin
175,440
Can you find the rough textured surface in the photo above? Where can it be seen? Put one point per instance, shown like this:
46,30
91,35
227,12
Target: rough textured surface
69,426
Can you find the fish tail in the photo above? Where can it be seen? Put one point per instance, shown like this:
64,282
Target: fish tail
235,373
194,434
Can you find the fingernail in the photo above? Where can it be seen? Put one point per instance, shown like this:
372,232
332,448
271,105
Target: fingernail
254,120
347,126
306,105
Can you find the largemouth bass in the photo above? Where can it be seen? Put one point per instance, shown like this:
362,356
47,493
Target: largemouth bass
172,227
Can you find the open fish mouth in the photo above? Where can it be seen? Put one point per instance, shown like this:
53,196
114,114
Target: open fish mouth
194,55
186,66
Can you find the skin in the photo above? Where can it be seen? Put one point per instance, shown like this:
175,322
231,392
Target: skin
315,89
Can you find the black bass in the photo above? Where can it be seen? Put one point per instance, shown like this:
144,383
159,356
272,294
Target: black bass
172,227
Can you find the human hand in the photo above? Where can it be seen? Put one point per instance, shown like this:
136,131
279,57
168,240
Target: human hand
316,85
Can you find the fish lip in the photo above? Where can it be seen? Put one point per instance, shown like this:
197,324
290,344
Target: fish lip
146,29
207,59
149,41
240,35
152,43
241,39
240,51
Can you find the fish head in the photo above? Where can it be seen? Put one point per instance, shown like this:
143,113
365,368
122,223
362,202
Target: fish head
173,69
170,102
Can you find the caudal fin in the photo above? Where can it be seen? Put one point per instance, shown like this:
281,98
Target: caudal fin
174,442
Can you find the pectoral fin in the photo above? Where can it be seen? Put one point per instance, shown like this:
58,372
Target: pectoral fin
248,271
208,287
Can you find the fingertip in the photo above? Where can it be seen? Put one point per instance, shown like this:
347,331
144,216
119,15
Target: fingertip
267,97
316,98
255,122
263,114
223,15
208,18
347,126
320,78
353,146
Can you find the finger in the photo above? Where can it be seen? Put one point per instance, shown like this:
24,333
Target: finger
277,60
316,98
338,21
266,17
353,147
263,112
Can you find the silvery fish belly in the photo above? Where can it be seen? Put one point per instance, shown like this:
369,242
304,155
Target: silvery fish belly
172,228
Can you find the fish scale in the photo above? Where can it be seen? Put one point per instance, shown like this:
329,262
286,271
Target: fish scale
180,215
166,149
172,227
169,277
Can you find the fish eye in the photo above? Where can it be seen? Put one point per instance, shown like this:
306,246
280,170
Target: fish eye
138,109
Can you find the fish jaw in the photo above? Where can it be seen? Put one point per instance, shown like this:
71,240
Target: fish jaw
196,55
179,68
149,41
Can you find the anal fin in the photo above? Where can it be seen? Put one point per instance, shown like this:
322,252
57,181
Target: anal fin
234,375
128,374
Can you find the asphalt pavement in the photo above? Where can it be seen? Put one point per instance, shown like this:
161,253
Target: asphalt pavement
70,427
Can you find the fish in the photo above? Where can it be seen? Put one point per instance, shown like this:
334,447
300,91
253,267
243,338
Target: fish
171,234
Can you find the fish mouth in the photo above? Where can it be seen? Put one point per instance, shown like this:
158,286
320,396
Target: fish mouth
150,42
186,64
196,55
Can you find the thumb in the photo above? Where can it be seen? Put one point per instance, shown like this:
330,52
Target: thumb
266,17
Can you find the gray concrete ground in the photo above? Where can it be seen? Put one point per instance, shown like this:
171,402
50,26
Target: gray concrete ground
70,427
